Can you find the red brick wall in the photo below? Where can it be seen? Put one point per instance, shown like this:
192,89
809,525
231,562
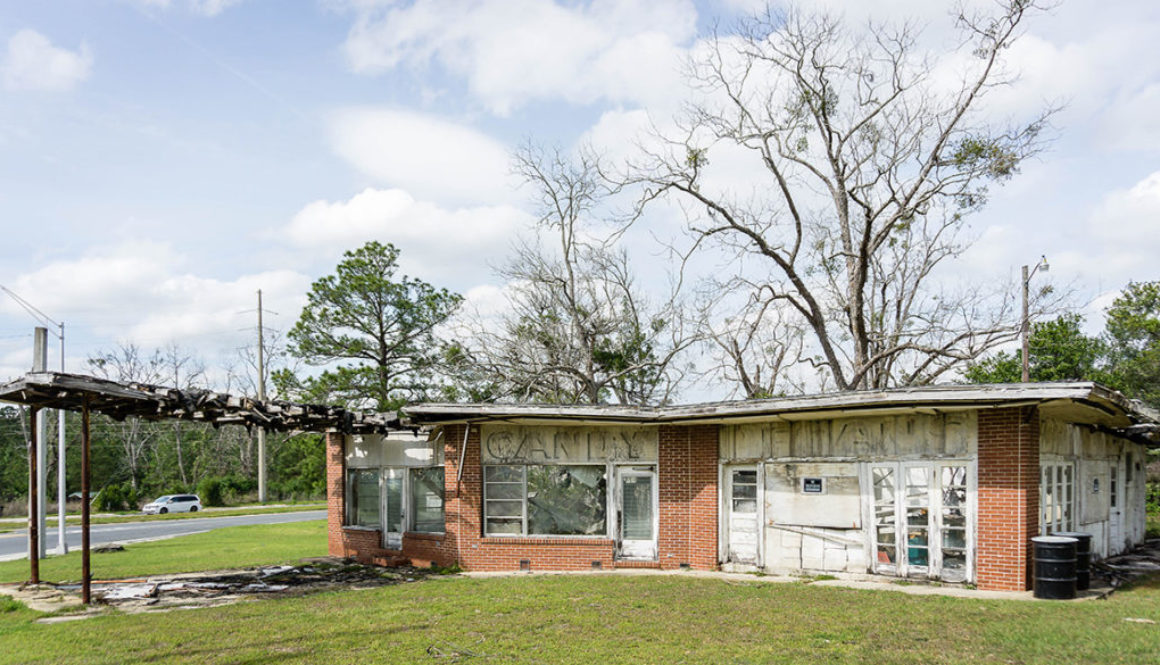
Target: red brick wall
1008,497
465,528
688,496
687,486
366,544
335,488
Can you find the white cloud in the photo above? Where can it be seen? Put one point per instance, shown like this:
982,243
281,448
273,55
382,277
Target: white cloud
1132,123
1130,220
143,293
433,158
446,247
212,7
517,51
208,8
33,63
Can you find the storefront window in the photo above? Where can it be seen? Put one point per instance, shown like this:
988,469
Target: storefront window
427,500
364,495
545,500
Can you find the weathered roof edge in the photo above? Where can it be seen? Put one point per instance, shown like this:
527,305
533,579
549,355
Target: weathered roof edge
928,396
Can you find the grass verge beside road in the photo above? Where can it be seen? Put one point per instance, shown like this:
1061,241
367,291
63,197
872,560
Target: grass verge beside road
232,547
608,619
137,516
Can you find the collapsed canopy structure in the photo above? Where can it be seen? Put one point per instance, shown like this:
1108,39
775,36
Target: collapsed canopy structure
51,390
117,400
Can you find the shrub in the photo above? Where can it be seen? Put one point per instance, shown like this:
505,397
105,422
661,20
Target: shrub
109,500
211,490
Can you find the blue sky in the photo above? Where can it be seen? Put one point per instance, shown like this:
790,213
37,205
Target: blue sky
160,161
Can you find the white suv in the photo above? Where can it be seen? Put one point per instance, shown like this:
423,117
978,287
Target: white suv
173,503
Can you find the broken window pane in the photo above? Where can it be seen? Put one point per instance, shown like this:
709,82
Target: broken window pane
744,506
427,499
364,508
505,526
393,487
567,500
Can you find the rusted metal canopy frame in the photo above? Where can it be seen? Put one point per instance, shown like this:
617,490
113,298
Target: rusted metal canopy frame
72,392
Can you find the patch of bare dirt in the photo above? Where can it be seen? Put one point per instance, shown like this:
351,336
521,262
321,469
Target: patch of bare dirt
211,589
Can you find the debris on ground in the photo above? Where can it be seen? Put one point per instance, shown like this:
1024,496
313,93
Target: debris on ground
1140,561
211,589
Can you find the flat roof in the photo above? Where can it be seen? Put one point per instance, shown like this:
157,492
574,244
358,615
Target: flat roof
1101,400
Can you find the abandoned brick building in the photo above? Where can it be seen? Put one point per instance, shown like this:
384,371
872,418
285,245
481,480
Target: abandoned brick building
946,482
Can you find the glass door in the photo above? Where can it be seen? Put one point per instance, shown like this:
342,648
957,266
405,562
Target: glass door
918,518
921,521
885,526
392,508
636,513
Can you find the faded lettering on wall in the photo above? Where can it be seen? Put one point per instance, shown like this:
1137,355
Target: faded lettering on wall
503,444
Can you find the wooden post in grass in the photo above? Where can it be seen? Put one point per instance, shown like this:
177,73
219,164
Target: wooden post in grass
86,582
33,507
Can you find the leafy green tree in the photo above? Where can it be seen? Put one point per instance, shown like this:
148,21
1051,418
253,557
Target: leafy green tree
1060,351
1133,337
373,331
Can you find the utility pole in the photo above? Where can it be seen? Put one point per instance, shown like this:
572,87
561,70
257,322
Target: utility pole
61,479
36,505
41,357
1026,325
261,398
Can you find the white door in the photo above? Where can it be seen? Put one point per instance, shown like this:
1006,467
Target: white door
392,508
1115,509
636,513
741,509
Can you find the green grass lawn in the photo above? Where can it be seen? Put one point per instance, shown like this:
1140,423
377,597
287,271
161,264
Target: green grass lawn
603,619
232,547
607,619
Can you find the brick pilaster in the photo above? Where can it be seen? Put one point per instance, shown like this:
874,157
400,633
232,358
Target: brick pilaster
687,477
1008,497
335,489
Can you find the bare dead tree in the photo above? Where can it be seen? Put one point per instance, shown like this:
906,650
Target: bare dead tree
578,329
182,370
870,166
128,363
753,345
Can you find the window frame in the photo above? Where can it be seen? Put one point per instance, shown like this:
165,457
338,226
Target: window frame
1061,478
410,519
486,516
353,501
407,522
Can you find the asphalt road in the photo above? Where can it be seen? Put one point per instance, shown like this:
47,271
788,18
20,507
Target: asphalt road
14,545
